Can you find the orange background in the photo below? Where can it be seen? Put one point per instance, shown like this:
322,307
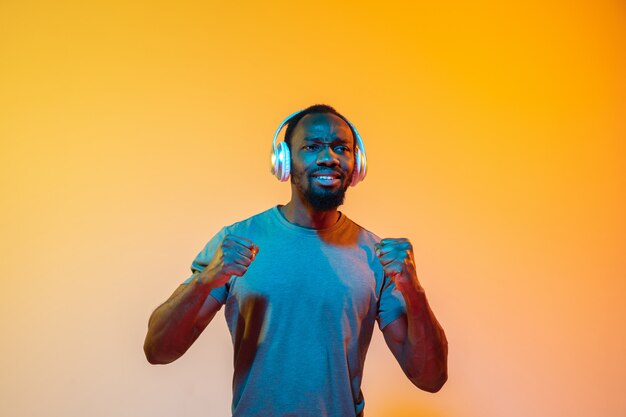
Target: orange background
495,132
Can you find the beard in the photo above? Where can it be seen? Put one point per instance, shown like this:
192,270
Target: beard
323,200
320,199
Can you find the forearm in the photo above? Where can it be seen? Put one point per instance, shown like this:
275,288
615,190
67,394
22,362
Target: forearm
425,349
174,325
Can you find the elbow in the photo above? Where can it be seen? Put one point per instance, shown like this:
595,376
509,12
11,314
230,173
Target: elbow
152,358
435,374
433,385
432,378
155,356
155,359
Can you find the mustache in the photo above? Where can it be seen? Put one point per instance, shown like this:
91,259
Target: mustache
327,171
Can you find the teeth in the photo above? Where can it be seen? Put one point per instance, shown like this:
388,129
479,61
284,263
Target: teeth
323,177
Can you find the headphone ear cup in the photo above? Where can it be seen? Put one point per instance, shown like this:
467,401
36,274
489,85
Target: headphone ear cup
360,167
281,161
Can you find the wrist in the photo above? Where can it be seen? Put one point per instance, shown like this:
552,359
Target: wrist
408,283
208,280
412,292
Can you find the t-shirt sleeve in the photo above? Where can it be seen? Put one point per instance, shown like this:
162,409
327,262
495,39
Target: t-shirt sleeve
204,258
391,304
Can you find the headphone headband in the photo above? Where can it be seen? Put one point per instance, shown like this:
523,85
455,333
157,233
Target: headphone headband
282,124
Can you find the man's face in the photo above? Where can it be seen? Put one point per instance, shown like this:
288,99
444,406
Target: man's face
322,160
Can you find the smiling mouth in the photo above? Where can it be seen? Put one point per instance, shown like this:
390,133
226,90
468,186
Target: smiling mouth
326,180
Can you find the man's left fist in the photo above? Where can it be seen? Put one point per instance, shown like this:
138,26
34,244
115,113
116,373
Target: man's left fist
396,257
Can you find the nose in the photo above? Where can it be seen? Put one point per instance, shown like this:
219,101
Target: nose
327,157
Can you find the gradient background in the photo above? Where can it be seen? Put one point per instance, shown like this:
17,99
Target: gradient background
496,138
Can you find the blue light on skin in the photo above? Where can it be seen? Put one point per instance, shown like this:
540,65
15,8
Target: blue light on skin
322,162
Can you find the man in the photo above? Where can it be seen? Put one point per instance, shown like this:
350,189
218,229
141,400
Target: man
303,286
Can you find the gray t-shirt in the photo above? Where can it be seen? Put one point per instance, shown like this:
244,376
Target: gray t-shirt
301,317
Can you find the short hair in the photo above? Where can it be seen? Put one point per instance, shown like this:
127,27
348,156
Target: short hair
316,108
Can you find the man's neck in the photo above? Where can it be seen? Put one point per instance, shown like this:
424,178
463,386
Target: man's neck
306,216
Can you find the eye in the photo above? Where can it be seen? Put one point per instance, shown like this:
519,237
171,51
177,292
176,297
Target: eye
342,149
312,147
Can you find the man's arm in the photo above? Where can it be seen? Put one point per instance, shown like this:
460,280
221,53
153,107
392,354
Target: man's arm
177,323
416,339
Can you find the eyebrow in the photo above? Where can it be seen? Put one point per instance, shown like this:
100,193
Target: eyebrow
319,139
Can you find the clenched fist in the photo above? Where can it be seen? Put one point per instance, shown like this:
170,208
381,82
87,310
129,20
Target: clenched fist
396,257
233,257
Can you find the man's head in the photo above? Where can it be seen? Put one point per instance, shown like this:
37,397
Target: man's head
316,108
322,145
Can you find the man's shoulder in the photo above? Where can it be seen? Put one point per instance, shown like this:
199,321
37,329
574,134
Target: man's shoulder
256,220
364,234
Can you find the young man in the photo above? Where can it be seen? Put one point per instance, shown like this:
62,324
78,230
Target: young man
303,286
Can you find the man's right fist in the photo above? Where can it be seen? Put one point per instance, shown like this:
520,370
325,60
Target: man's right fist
233,257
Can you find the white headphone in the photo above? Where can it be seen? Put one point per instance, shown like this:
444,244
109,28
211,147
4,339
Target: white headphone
281,158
